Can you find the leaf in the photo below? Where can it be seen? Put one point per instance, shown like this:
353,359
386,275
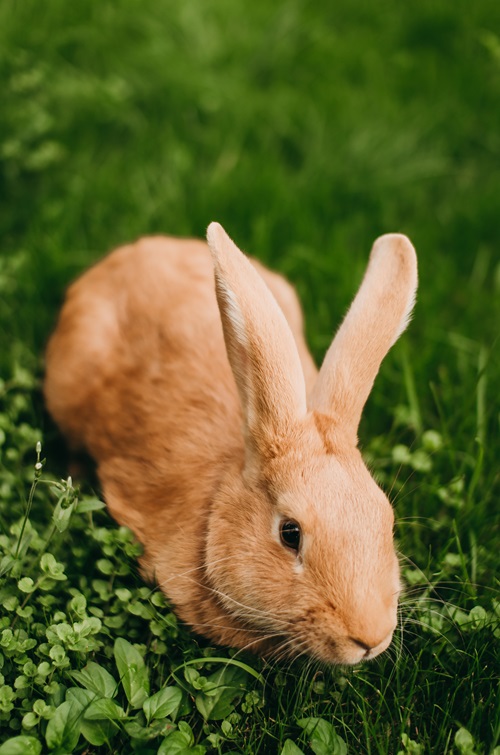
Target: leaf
62,513
411,747
63,729
26,584
172,748
464,742
191,675
224,687
89,504
21,746
290,748
98,732
51,567
6,565
180,742
324,739
81,697
98,725
104,710
162,704
133,672
96,679
136,731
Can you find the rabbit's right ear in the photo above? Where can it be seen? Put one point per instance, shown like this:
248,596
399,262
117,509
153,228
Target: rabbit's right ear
378,315
260,347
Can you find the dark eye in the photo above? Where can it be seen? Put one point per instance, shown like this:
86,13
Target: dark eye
290,534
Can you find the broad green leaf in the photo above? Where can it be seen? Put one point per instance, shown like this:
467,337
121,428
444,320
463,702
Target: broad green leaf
98,732
136,731
224,686
290,748
103,709
96,679
164,703
133,672
63,729
323,738
21,746
180,742
464,742
89,504
6,565
81,697
173,747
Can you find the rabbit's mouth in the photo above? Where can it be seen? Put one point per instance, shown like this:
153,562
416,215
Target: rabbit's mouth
334,642
348,651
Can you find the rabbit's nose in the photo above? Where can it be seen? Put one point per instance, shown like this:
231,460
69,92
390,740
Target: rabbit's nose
367,648
361,644
375,647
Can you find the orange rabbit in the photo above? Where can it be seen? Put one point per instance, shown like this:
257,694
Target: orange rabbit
233,462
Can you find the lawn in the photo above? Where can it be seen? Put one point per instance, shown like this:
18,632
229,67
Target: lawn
307,130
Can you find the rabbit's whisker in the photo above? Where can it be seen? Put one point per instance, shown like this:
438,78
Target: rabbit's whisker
181,575
249,611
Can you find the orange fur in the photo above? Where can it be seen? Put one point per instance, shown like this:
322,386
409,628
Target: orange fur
192,399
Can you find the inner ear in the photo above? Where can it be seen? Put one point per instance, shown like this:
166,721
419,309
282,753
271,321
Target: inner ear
378,315
260,346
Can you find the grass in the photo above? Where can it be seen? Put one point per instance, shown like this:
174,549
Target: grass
306,129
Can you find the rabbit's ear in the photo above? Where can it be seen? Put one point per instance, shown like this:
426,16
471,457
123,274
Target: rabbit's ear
378,315
260,346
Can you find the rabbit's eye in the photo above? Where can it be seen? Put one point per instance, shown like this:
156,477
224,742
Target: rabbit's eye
290,534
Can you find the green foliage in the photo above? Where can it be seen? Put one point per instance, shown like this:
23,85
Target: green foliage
307,129
290,748
133,672
21,746
217,692
322,737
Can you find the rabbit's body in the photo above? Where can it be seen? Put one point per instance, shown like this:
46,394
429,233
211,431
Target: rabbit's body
139,380
191,457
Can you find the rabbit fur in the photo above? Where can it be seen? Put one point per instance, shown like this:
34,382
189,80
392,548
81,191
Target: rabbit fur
211,427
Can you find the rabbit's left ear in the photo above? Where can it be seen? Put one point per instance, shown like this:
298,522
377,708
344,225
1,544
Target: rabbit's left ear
378,315
260,346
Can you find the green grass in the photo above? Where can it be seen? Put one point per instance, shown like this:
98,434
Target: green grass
307,129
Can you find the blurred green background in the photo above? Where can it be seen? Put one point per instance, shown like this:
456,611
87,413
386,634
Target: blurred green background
306,128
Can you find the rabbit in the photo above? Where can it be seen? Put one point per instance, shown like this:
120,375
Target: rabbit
182,369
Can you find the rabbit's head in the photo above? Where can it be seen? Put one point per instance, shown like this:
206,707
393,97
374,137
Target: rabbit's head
300,551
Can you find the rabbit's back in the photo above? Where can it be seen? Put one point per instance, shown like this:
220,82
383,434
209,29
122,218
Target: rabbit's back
137,375
138,354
